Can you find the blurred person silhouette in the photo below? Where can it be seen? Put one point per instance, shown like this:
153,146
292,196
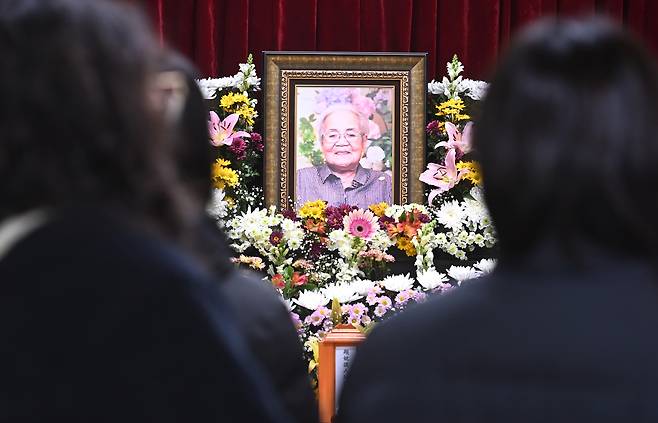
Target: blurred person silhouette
262,317
101,319
563,329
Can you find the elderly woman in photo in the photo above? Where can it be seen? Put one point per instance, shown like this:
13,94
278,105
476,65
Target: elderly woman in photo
343,137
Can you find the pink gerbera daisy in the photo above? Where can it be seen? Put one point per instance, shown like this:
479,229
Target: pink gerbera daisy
361,223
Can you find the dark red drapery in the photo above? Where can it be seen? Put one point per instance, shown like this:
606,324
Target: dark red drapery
218,34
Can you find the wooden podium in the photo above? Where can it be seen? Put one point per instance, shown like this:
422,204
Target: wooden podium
336,353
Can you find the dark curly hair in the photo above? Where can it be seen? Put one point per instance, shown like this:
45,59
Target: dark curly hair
76,123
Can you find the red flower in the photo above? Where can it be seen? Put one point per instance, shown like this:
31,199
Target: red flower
299,280
278,281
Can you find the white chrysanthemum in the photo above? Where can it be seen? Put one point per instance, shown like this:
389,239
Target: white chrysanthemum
450,215
397,283
473,89
288,225
342,241
485,265
209,86
217,207
394,211
311,300
294,238
435,87
362,286
431,279
474,211
463,273
343,292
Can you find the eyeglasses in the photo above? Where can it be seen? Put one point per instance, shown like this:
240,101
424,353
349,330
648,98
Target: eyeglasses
332,137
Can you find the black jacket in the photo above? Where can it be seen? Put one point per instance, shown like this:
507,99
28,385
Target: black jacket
101,322
265,322
534,344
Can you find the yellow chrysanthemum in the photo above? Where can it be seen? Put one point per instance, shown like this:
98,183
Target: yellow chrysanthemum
379,209
247,113
452,109
313,209
232,101
405,245
473,174
222,175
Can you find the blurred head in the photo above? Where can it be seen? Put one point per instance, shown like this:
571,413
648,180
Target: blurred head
568,140
77,120
186,121
343,134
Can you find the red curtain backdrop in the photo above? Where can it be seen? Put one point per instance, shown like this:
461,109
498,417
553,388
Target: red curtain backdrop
219,34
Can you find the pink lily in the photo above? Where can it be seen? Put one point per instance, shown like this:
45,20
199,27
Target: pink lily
460,141
221,132
442,176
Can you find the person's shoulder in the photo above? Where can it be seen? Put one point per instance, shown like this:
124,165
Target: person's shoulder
308,172
440,314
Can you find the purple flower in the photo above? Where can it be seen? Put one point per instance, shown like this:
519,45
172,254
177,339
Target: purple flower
366,320
354,320
380,310
433,128
289,214
385,220
328,325
317,248
315,319
423,218
335,215
297,322
239,148
358,309
403,297
257,142
276,237
385,301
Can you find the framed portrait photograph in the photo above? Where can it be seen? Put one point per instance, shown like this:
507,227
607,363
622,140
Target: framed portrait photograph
347,128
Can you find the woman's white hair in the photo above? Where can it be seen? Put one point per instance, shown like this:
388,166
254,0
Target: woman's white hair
364,126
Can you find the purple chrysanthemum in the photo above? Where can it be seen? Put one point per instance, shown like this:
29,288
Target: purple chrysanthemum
289,214
257,142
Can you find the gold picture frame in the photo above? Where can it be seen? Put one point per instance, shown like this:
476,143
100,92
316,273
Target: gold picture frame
288,74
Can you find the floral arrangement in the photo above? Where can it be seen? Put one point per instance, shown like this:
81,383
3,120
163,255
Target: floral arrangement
334,264
331,264
239,149
453,172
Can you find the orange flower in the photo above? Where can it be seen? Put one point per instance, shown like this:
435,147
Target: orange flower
278,281
409,228
315,226
299,280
